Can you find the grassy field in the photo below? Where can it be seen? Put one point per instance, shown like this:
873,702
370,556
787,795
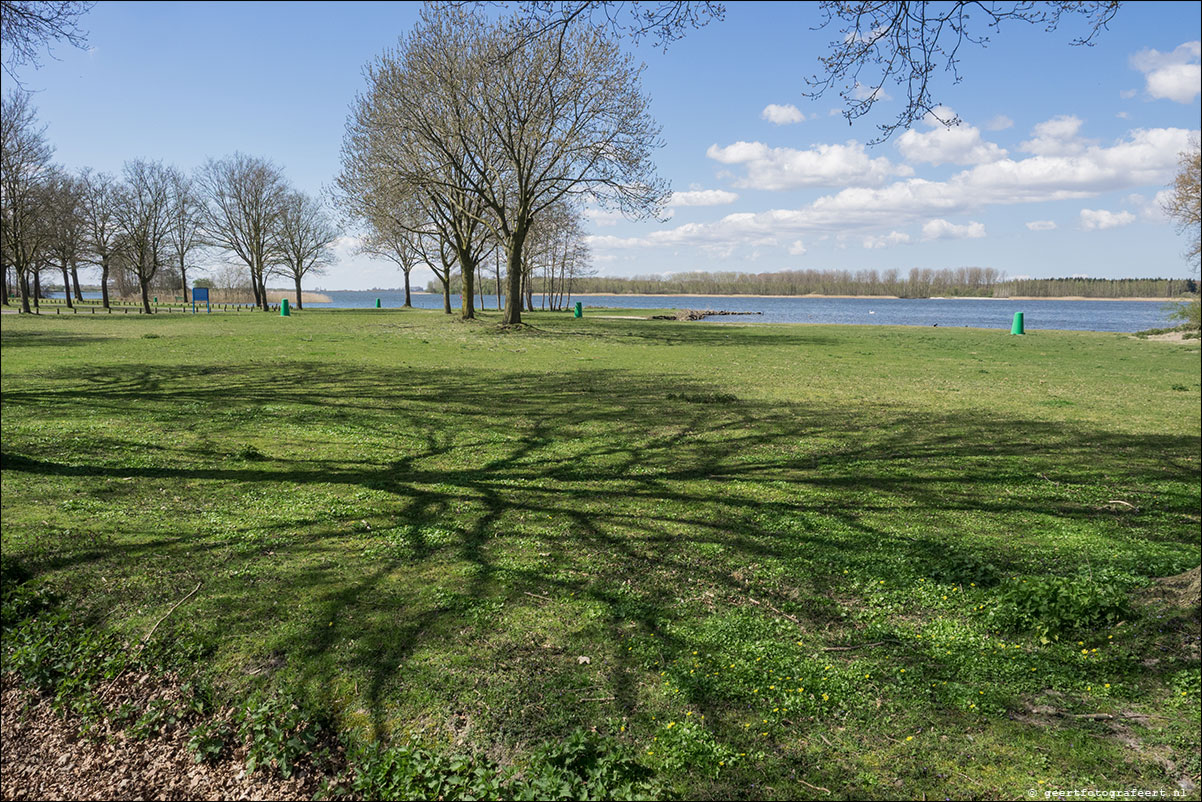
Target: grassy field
765,561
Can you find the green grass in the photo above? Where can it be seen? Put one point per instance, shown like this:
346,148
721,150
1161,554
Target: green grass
421,526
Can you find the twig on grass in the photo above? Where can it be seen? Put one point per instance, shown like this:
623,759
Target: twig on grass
146,638
860,646
815,787
538,596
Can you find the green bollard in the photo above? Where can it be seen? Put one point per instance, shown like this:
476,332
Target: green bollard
377,303
284,310
579,310
1017,326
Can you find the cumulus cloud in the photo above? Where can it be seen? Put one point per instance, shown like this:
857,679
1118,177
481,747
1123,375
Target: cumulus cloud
1098,219
782,115
1056,137
999,123
886,240
1041,225
959,144
942,229
603,217
1145,158
703,197
1174,76
822,165
797,248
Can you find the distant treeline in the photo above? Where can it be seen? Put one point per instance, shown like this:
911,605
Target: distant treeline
917,283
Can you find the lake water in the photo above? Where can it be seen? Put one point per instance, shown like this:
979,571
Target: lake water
1124,316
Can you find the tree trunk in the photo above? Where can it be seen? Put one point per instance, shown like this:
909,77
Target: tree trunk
408,297
75,280
254,287
37,289
104,281
183,277
513,290
263,292
66,284
23,285
298,292
145,285
446,294
468,296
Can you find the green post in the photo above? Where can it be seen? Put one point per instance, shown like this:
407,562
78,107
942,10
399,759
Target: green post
1017,326
156,299
579,310
377,303
284,310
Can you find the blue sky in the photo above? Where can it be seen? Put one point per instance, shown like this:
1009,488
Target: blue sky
1054,171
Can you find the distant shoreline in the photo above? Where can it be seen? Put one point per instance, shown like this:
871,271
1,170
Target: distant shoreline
866,297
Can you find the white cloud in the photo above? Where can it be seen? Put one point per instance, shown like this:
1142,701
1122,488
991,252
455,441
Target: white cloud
797,248
603,217
1056,137
782,115
822,165
1145,158
999,123
1127,94
862,92
942,229
703,197
1098,219
1122,115
1041,225
959,144
1174,76
887,240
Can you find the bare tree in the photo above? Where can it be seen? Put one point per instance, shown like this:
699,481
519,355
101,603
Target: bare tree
67,240
906,43
26,26
243,199
396,243
1184,204
401,152
534,119
305,236
143,216
660,22
98,210
187,224
25,166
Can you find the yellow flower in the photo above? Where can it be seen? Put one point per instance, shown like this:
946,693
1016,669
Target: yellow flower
909,737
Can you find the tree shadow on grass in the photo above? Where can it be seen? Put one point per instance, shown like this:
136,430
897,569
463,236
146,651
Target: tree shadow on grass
593,506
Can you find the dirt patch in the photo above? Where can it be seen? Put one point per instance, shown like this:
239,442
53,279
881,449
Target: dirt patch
45,757
1170,337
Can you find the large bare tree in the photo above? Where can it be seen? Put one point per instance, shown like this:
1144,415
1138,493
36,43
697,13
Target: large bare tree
187,224
98,211
25,166
305,238
486,113
244,196
143,216
68,235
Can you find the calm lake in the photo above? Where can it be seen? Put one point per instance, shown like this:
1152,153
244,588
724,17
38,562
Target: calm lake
1125,316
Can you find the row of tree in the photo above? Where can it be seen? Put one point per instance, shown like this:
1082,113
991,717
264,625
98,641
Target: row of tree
916,283
148,225
476,141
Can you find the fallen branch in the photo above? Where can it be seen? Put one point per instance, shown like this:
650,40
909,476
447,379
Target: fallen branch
537,596
773,609
599,699
815,787
146,638
861,646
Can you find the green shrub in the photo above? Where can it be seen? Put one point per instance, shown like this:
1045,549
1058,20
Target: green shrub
1052,606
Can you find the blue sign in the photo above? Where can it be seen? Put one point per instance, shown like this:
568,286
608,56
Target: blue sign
200,293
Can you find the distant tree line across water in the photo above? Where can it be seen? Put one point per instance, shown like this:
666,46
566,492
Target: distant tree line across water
979,282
